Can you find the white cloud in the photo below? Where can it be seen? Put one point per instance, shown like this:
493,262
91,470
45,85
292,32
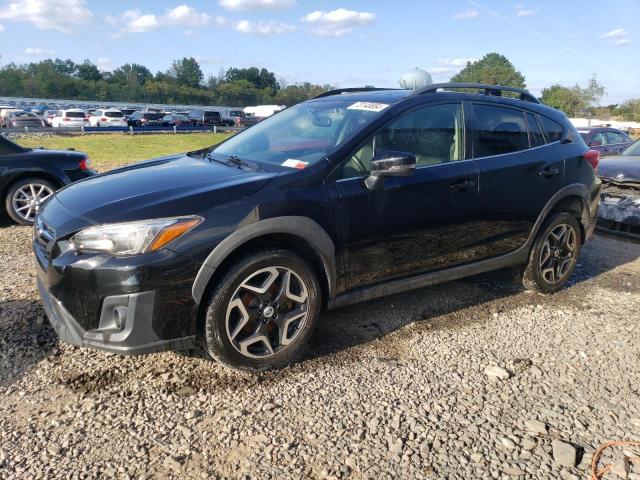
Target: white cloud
38,52
337,23
237,5
525,13
264,27
61,15
447,67
466,15
134,21
618,36
104,64
1,28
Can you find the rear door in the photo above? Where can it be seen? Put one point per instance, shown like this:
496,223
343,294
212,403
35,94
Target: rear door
519,171
413,224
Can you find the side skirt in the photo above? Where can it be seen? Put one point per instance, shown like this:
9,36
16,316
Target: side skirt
518,257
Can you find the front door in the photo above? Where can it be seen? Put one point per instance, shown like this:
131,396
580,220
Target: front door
413,224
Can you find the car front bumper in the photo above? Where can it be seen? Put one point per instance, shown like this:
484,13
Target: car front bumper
128,305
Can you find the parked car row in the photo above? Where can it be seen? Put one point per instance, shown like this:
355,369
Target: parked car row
67,116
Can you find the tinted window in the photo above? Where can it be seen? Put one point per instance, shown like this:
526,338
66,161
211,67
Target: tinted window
211,114
75,114
598,139
552,129
113,114
499,130
615,137
535,133
434,134
153,116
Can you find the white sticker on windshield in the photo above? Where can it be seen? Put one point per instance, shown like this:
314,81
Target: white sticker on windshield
293,163
368,106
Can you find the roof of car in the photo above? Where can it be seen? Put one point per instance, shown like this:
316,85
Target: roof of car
383,96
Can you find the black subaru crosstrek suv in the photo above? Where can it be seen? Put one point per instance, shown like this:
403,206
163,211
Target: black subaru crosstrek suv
346,197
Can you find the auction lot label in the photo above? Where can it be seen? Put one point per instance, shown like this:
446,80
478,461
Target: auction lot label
368,106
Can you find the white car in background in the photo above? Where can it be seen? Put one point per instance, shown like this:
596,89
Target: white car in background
73,117
110,117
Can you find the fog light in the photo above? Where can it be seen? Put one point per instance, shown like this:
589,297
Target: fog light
120,317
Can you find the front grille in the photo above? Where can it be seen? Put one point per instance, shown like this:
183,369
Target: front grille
43,241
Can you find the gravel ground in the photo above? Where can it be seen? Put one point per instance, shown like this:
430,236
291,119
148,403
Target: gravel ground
394,388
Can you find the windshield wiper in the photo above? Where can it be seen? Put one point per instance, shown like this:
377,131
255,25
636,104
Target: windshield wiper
240,163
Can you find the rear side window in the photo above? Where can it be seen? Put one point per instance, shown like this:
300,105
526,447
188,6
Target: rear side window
615,137
552,129
499,130
536,138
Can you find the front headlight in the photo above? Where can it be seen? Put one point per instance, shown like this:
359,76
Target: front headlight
132,238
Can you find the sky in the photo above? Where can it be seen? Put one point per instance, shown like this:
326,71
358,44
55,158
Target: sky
339,42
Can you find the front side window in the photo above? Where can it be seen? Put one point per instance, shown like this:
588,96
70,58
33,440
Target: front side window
499,130
303,134
433,134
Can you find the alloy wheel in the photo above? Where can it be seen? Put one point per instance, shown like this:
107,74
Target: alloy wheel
27,200
267,312
558,253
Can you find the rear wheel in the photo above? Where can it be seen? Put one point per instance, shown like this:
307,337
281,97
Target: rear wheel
554,255
262,311
24,198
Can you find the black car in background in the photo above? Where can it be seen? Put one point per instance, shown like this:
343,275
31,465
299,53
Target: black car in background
24,119
28,177
205,118
619,210
347,197
175,120
606,140
145,119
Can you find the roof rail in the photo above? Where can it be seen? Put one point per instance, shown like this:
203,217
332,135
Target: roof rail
495,90
340,91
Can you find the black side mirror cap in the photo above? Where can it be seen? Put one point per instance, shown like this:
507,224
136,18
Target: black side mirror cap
389,163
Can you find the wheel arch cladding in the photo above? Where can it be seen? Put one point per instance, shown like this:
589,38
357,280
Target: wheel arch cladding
564,200
301,234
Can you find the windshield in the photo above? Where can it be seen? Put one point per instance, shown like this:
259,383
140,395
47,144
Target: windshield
633,149
75,114
301,135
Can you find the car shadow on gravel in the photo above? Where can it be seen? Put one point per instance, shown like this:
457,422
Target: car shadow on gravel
486,294
25,338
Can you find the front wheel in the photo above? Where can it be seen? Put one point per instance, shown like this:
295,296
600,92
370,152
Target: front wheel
554,254
262,311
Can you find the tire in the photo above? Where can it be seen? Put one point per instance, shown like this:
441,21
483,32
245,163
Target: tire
28,191
243,329
553,256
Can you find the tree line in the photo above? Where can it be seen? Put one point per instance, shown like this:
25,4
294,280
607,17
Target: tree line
184,83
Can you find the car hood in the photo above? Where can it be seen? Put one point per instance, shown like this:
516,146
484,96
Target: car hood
621,168
164,187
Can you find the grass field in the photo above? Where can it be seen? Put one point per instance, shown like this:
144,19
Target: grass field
108,151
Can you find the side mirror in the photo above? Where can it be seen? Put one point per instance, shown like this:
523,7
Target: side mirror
389,163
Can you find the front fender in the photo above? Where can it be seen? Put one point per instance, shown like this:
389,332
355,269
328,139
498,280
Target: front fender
302,227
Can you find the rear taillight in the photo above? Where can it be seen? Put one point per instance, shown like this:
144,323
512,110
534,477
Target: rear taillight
103,119
65,119
593,157
85,163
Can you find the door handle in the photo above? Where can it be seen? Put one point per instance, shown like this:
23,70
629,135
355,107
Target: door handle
549,172
463,184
